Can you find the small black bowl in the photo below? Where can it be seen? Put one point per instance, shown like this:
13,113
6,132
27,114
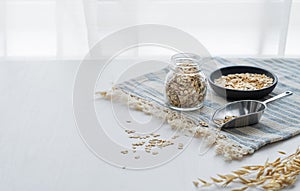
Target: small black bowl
241,94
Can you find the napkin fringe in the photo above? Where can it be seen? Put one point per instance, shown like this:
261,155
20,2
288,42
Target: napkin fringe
224,146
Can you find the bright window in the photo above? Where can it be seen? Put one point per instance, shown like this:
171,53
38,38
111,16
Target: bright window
65,29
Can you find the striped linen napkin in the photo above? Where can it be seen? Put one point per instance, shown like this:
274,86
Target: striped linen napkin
279,122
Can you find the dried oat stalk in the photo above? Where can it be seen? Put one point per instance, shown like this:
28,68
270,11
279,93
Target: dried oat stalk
275,175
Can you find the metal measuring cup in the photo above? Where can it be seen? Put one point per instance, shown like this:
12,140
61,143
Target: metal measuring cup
242,113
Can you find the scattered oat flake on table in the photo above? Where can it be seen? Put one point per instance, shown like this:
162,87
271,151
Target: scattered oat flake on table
282,152
134,137
147,150
137,157
155,153
180,146
175,136
124,152
138,144
154,135
129,131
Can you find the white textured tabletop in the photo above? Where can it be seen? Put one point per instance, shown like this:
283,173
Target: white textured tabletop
41,149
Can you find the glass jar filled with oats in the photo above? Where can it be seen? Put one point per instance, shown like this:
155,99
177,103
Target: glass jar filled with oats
185,84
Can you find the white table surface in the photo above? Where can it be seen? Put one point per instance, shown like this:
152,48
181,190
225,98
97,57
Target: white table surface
40,147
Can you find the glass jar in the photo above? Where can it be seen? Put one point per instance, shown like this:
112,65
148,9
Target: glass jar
185,84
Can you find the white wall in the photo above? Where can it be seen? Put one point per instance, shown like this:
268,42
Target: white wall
61,28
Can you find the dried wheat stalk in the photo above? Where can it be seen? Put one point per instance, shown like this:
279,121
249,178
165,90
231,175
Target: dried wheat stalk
275,175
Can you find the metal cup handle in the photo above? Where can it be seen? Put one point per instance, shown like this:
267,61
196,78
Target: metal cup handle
287,93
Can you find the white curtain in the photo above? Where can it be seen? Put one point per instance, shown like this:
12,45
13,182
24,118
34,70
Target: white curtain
42,29
66,29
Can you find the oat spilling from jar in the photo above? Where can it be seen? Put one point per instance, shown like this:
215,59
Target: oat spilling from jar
186,87
244,81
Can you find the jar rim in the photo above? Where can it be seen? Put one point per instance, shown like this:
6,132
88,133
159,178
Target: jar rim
190,56
178,61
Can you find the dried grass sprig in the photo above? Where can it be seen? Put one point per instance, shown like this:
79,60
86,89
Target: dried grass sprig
275,175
